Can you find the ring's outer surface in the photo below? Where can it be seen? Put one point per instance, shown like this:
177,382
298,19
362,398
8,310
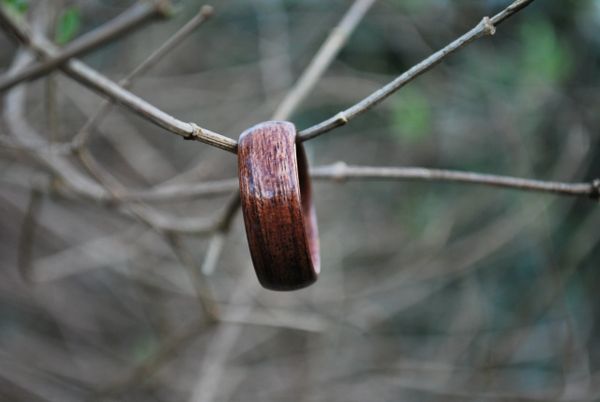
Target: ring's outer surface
279,216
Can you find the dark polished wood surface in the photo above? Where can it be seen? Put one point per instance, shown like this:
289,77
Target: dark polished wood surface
279,216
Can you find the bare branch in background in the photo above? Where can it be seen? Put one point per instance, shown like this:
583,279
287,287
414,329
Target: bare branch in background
340,171
132,18
27,236
308,79
81,184
99,83
217,240
274,46
170,44
484,28
204,293
218,351
322,59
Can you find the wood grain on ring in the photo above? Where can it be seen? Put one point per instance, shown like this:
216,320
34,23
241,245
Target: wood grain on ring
279,216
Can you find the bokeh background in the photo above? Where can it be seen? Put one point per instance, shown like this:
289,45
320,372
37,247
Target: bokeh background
428,291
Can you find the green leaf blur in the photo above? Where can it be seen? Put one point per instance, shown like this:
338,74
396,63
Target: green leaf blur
18,6
68,25
544,57
411,115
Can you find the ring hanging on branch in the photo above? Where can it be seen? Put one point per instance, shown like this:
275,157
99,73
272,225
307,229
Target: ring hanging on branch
279,216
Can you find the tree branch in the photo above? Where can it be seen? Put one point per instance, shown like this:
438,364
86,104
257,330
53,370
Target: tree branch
103,85
204,14
310,76
341,171
99,83
485,27
27,235
323,58
133,17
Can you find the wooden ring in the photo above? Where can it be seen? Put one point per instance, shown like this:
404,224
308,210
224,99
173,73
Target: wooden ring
279,216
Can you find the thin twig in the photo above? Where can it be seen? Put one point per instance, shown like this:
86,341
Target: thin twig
170,44
168,350
133,17
323,58
74,180
509,11
114,187
213,366
217,240
273,46
111,184
308,79
157,221
204,293
341,171
50,104
183,191
101,84
485,27
205,12
27,236
217,351
105,86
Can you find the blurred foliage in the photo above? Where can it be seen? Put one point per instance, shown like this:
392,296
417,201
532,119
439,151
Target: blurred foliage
68,25
414,7
543,56
18,6
411,114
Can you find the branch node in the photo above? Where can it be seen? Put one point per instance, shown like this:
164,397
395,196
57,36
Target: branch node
595,193
196,133
207,11
77,145
339,171
517,5
342,118
488,26
55,185
164,8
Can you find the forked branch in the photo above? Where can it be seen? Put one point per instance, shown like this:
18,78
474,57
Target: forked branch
133,17
192,131
101,84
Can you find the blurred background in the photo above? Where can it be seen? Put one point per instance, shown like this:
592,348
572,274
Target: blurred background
429,291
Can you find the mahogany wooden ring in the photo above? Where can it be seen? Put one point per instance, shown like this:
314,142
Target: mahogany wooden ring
279,216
